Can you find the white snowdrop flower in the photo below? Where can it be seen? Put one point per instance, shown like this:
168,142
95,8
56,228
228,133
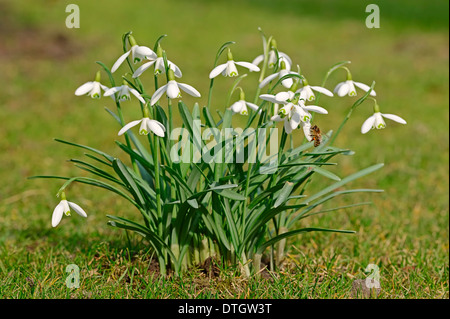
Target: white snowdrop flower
278,75
92,88
229,68
124,92
307,91
348,88
376,121
159,65
241,105
138,53
63,208
172,89
272,57
147,125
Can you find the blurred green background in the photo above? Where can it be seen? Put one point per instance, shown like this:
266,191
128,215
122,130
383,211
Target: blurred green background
42,63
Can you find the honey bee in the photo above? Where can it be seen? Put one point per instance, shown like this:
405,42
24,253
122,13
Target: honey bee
315,134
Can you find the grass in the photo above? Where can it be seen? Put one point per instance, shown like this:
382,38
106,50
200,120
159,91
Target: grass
404,231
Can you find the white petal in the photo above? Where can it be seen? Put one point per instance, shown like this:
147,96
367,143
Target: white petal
77,209
336,89
236,107
351,88
156,127
258,59
136,94
322,90
120,61
306,126
173,91
144,129
113,90
96,91
254,107
267,80
393,117
268,97
128,126
217,70
287,83
57,214
283,96
295,120
142,68
230,69
189,89
249,66
365,87
276,118
175,68
379,122
286,58
315,108
367,125
145,52
85,88
287,127
343,89
157,95
159,66
306,93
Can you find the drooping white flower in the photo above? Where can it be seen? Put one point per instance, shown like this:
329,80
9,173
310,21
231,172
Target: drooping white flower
147,125
348,88
229,68
272,59
124,92
64,207
241,105
292,115
291,97
278,75
294,112
376,121
306,92
92,88
138,53
159,65
172,89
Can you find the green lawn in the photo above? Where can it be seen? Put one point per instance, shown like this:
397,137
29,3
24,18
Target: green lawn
405,231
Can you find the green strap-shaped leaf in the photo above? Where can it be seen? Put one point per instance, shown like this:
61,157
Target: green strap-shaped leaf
108,157
275,239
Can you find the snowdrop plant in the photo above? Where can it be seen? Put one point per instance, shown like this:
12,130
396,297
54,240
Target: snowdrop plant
226,199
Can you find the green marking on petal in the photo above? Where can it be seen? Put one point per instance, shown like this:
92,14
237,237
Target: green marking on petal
244,112
136,60
95,96
233,74
380,126
306,118
352,93
67,213
143,132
